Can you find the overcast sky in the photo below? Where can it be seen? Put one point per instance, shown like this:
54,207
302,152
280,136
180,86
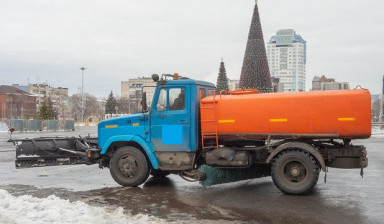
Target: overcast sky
49,40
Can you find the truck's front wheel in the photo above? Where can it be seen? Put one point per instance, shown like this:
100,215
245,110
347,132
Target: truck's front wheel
129,167
295,172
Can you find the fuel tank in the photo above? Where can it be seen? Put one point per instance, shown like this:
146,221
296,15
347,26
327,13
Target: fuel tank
249,115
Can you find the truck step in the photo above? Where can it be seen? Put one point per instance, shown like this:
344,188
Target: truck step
210,147
209,136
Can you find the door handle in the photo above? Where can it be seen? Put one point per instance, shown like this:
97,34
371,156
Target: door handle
183,122
160,115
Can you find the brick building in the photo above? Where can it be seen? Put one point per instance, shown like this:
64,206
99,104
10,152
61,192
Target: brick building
15,103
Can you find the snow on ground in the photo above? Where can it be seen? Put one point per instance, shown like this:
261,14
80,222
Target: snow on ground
3,127
28,209
377,132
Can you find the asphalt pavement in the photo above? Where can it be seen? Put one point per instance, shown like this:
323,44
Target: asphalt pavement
344,198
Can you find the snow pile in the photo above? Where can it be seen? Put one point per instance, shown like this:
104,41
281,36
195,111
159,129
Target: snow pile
28,209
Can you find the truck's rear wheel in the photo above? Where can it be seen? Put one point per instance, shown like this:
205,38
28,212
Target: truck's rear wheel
295,172
129,167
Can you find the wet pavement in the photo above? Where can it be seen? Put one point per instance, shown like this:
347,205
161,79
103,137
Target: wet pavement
345,198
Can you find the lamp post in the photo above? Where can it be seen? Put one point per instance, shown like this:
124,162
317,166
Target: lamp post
82,93
381,108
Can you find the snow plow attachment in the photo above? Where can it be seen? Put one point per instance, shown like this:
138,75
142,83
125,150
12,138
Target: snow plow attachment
39,152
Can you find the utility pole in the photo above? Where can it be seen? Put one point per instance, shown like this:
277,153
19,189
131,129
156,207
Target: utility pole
82,93
381,108
383,86
381,103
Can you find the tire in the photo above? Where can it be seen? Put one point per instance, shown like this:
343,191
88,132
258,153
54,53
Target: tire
159,173
295,172
129,167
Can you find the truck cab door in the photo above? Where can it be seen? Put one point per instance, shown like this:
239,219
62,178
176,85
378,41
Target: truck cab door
170,119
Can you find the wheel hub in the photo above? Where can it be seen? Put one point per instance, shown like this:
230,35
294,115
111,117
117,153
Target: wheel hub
295,171
127,166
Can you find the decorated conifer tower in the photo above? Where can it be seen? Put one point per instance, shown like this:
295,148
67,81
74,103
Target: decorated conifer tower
222,80
255,71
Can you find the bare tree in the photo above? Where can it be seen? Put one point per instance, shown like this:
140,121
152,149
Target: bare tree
123,105
91,106
75,102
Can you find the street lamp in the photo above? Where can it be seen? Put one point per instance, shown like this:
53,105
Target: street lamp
82,93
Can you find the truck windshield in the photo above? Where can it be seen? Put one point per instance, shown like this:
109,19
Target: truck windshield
150,90
162,101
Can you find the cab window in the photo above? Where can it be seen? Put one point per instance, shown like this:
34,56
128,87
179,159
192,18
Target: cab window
203,92
176,99
211,91
162,100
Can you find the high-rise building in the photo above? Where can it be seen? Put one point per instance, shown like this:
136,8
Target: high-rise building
255,72
287,53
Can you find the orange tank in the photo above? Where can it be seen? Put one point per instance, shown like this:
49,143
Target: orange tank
249,115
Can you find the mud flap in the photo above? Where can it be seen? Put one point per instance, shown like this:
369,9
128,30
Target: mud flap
54,151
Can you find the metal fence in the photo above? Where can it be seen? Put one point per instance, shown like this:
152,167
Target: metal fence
69,125
41,125
31,125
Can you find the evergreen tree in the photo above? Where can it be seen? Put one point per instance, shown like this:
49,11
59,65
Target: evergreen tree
110,105
42,111
52,112
222,80
46,111
255,71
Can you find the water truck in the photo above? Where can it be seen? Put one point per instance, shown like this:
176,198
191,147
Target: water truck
192,130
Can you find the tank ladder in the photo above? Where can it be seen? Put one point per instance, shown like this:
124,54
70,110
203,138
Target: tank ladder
210,139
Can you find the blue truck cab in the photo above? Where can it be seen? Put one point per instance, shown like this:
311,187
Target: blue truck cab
167,135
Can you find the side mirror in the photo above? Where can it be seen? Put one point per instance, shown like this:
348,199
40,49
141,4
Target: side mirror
144,102
155,77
